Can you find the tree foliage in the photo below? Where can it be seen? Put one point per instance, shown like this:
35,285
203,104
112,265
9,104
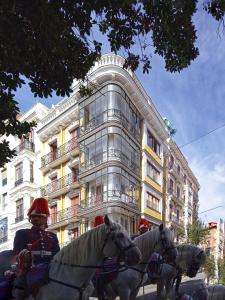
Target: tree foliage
197,232
210,268
221,270
51,42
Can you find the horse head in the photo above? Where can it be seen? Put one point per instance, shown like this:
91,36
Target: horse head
198,258
118,243
165,244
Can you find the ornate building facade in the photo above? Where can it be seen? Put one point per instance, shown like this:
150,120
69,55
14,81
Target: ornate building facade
103,154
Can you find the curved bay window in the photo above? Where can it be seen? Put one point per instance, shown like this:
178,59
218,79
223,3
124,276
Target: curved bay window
110,104
110,144
110,184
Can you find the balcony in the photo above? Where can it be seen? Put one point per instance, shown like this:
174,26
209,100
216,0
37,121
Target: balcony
19,218
18,182
60,155
62,217
110,155
109,115
25,145
60,186
3,239
108,199
177,221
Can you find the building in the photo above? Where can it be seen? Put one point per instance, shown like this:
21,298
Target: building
102,154
182,189
20,180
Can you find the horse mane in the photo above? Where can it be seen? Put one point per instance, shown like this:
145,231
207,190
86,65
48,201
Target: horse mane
79,249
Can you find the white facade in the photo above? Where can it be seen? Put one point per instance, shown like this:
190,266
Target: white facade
22,181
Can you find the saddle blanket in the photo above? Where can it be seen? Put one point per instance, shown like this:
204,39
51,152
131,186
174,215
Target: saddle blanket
5,289
108,271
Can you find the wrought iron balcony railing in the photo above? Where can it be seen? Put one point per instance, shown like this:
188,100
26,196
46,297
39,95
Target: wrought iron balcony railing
107,116
110,154
4,239
19,181
19,218
59,152
25,144
58,184
110,195
64,214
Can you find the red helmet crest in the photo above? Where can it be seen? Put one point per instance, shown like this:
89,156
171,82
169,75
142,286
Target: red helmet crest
39,207
98,221
143,223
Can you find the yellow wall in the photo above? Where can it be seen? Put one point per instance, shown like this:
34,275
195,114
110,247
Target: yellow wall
153,155
152,213
152,183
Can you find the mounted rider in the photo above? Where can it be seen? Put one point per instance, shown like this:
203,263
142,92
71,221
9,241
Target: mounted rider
40,244
143,226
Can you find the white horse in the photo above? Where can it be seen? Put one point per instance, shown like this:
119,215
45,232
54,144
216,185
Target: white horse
127,283
72,268
189,260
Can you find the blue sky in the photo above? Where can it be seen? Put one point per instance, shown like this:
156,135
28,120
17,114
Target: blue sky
193,101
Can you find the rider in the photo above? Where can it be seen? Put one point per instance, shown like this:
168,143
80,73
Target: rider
143,226
42,244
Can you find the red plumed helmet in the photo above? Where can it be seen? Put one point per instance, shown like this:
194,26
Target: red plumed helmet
39,207
143,223
98,221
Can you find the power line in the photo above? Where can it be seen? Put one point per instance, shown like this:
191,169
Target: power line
201,136
210,209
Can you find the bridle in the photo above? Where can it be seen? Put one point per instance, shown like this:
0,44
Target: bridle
122,252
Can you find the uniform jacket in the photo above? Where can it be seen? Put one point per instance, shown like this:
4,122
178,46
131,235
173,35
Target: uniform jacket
43,244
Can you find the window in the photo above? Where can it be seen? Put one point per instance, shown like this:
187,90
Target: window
31,171
171,186
153,143
19,210
171,163
153,173
4,200
74,204
153,202
53,210
178,192
185,178
3,230
171,212
19,174
178,214
74,134
4,177
53,150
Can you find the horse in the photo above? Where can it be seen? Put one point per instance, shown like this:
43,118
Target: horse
189,259
216,292
196,289
72,268
127,283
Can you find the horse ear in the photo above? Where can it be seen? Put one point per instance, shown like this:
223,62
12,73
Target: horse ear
161,227
107,221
